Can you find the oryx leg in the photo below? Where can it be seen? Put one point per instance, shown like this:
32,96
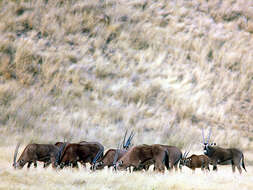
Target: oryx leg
146,167
159,166
74,165
35,164
170,165
237,164
180,168
130,170
176,168
233,166
29,164
239,168
215,166
207,167
53,161
83,164
46,164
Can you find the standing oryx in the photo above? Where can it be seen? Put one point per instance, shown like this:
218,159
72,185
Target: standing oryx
220,155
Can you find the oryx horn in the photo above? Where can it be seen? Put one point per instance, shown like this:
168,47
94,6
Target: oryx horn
129,140
59,154
98,155
203,135
210,131
15,155
124,139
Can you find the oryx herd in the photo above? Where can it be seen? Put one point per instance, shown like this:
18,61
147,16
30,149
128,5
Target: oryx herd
140,157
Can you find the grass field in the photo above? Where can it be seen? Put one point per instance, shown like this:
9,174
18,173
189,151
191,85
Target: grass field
89,70
68,179
40,178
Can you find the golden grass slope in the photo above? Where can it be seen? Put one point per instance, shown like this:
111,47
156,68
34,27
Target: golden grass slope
87,70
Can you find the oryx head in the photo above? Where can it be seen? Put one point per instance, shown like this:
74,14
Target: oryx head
120,165
116,156
94,162
184,160
99,165
207,145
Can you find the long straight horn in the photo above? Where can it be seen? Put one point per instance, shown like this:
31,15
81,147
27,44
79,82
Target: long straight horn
98,156
124,139
131,137
129,140
203,135
59,154
15,156
187,154
210,131
184,154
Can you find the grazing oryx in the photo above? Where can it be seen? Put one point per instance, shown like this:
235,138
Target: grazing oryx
32,153
80,152
113,155
195,161
98,156
220,155
174,156
141,154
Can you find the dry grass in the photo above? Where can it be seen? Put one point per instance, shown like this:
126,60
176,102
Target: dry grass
40,178
68,179
88,70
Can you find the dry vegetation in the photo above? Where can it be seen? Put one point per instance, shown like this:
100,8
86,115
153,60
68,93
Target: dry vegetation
40,178
90,69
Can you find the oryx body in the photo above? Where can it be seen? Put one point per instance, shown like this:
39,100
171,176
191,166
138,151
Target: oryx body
46,153
220,155
196,161
138,155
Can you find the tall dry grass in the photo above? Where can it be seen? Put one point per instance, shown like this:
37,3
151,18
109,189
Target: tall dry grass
79,65
91,69
40,178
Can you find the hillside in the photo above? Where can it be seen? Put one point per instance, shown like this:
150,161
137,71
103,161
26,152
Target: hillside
91,69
